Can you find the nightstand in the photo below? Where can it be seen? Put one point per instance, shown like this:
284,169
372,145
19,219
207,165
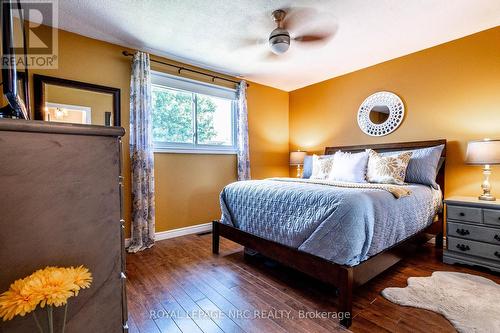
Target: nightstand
472,232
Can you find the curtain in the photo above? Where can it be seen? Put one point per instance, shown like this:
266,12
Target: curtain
141,155
242,133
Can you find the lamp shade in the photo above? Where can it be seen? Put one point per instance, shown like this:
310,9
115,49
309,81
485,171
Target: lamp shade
297,157
483,152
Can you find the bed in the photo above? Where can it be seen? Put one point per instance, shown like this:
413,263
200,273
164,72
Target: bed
342,235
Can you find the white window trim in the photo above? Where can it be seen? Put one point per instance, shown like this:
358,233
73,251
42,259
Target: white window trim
170,150
193,86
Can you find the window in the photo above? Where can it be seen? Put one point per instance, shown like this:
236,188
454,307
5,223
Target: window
192,117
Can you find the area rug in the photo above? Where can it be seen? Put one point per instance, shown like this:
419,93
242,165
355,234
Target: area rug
471,303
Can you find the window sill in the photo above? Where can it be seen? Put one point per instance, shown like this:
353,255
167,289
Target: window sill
195,151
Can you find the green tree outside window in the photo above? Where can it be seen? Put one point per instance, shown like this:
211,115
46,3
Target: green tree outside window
173,116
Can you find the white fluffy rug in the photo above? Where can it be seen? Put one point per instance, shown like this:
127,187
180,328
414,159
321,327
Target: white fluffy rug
471,303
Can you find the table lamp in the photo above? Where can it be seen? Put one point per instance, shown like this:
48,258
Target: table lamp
484,152
297,158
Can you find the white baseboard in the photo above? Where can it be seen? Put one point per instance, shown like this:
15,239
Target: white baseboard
195,229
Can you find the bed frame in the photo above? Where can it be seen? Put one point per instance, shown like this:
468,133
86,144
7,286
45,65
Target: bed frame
344,278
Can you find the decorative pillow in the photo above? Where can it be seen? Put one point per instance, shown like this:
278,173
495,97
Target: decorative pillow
322,165
308,166
387,169
349,167
424,165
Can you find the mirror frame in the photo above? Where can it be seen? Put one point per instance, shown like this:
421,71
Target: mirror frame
21,79
40,80
396,113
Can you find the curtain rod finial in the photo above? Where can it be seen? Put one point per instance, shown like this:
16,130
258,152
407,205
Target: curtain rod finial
126,53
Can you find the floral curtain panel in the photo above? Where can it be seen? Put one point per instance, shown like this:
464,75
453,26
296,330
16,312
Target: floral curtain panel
141,155
242,136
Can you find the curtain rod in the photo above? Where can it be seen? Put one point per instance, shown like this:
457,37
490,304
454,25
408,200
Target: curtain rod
180,68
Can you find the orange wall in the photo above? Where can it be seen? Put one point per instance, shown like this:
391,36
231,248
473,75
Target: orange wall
268,131
450,91
187,185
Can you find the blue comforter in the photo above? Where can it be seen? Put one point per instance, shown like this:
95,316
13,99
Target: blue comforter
343,225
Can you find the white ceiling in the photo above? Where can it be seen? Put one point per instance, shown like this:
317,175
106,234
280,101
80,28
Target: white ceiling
210,33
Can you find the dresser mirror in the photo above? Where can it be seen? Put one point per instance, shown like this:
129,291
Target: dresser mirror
380,113
68,101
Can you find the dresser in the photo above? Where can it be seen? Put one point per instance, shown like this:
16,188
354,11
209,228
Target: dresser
473,232
60,199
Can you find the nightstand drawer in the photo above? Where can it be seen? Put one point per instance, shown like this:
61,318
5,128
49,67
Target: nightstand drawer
491,216
473,232
474,248
470,214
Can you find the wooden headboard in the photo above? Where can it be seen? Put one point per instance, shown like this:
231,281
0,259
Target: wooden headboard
382,147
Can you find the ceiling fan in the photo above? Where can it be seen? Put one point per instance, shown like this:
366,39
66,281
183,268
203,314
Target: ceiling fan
279,39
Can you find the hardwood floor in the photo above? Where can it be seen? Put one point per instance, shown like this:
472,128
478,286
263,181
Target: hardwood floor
179,286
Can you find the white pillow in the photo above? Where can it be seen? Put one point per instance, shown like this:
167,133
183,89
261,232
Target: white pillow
321,166
349,167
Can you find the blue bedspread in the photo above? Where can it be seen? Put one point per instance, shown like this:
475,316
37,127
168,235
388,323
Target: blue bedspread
343,225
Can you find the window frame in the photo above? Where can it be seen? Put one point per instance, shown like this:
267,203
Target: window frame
196,88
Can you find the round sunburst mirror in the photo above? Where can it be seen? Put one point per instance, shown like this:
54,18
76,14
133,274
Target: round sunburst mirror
381,113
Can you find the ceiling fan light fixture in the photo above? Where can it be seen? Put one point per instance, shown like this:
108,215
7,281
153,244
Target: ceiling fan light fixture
279,41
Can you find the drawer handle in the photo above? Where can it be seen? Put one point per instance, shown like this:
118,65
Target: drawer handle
497,254
463,247
463,232
461,214
497,238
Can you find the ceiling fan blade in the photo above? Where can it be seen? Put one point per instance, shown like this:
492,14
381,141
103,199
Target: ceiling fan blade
298,16
250,42
313,38
317,37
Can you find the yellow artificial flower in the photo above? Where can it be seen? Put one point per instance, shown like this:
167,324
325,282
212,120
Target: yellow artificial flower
81,278
50,286
18,300
53,285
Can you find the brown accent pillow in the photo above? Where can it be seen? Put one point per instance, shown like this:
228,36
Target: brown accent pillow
387,169
322,165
